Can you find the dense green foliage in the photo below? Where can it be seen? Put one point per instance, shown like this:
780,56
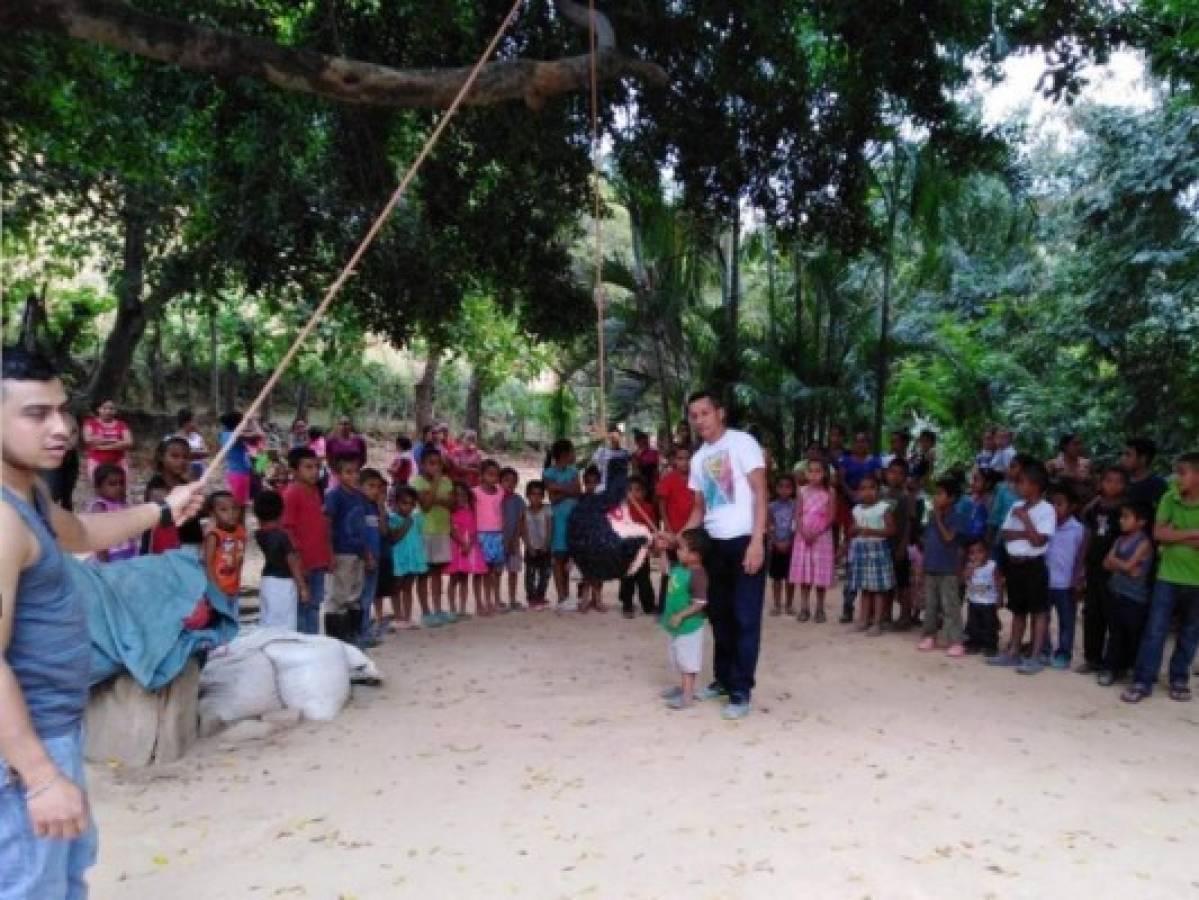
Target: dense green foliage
812,171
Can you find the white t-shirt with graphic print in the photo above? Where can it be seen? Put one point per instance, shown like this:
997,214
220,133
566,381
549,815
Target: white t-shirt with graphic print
720,473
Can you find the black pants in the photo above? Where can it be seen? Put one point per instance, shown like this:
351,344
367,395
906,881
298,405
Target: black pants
538,564
641,583
1125,625
1094,619
735,602
982,626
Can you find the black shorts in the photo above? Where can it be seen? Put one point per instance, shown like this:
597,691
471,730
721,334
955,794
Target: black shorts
1027,585
780,565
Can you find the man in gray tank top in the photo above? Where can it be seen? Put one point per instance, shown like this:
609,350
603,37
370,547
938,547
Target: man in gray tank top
47,839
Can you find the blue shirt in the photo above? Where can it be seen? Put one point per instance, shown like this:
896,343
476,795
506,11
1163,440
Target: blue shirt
943,557
347,510
374,538
238,460
854,470
50,651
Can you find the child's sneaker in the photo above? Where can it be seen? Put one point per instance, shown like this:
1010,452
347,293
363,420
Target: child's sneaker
679,702
926,645
570,604
1004,659
431,620
1061,661
957,651
1031,666
671,692
449,618
712,692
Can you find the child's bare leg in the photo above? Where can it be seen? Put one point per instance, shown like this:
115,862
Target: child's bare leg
435,586
512,579
561,582
776,592
805,599
688,686
789,588
820,601
1017,636
422,593
1040,633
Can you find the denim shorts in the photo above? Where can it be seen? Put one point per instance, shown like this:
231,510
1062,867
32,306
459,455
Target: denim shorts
492,544
41,867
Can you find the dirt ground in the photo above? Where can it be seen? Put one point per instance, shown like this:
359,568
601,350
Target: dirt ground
529,756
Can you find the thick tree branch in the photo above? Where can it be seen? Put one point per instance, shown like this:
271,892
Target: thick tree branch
118,26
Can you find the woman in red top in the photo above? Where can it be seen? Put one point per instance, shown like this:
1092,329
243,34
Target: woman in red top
106,439
467,459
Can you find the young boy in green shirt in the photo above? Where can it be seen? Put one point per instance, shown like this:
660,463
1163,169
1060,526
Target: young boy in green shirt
1177,535
683,614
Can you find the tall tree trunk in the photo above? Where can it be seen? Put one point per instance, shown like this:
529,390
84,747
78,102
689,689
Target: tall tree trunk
474,400
882,364
734,308
186,351
117,356
231,379
425,391
214,348
802,410
158,382
302,400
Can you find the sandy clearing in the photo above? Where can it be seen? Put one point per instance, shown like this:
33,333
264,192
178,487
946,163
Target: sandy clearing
529,757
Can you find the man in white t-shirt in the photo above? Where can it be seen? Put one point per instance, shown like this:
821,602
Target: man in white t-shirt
728,478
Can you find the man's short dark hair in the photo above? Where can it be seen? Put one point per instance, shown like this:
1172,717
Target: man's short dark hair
371,475
706,394
297,455
268,506
1143,446
28,365
339,462
509,471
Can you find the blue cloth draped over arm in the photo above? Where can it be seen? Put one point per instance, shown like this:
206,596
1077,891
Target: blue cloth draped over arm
136,609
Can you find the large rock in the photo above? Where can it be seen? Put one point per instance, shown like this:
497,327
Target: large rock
136,727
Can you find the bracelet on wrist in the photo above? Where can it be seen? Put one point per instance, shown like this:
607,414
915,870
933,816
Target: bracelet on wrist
34,792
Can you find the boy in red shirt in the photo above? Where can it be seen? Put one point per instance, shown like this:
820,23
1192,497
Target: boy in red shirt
674,504
305,523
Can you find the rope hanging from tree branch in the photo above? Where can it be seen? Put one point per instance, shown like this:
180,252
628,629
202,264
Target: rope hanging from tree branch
598,287
372,233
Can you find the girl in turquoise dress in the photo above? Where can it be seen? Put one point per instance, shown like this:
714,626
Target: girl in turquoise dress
407,557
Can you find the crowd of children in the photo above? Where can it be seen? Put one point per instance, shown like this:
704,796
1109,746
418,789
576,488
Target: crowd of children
446,531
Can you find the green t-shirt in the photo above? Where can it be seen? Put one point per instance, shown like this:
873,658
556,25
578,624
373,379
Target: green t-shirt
1180,564
686,585
437,519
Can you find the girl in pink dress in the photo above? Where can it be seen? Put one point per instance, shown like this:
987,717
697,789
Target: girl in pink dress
812,557
466,556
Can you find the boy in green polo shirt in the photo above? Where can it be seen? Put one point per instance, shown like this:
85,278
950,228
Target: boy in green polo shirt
683,614
1177,535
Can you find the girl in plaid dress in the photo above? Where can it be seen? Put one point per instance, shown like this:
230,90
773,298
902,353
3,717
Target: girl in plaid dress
870,568
813,556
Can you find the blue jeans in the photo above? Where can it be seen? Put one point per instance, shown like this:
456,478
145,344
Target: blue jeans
735,602
1167,595
1062,600
43,867
370,582
308,615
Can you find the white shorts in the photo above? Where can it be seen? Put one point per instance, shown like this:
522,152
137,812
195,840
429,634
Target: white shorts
687,652
437,549
277,599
